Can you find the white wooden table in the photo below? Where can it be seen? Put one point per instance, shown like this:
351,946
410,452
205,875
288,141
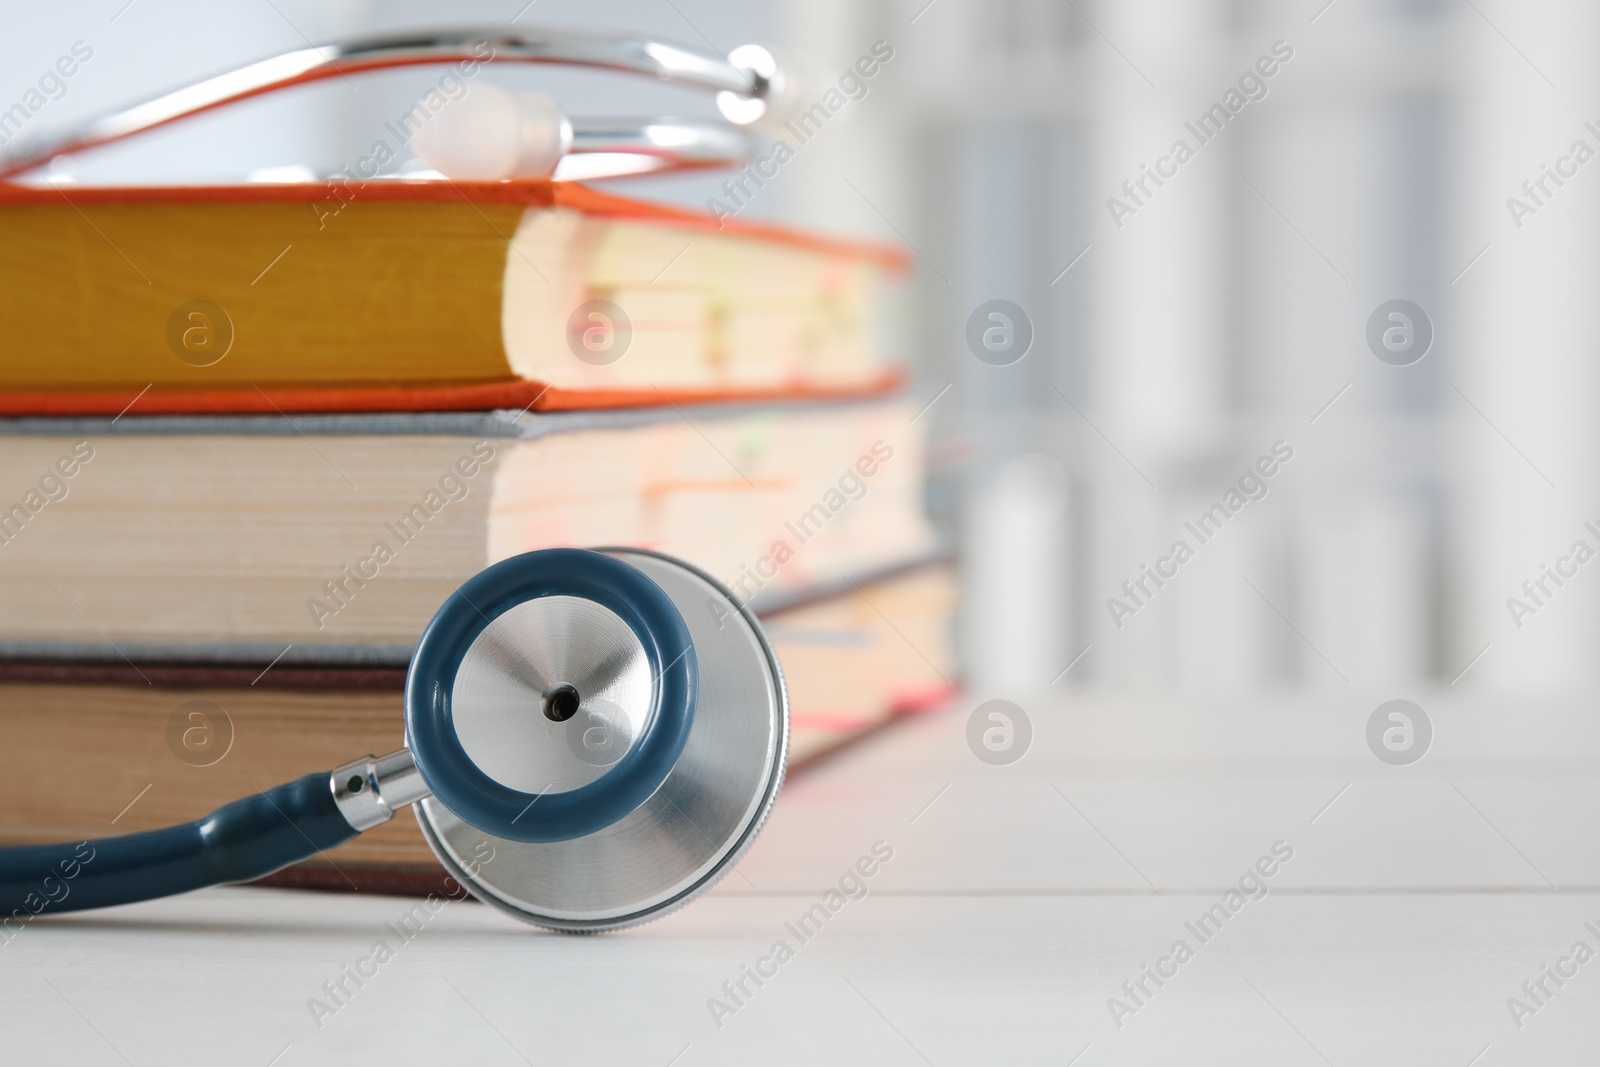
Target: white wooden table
1018,900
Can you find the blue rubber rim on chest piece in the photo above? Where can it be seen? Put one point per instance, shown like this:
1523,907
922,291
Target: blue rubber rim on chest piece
498,809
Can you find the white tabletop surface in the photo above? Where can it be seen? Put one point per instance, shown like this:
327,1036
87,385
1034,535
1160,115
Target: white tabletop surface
1018,900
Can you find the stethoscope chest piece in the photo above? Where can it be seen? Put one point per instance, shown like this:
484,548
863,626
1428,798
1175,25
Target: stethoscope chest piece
603,734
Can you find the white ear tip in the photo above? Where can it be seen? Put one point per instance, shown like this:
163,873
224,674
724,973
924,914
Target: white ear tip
754,58
785,78
764,67
490,134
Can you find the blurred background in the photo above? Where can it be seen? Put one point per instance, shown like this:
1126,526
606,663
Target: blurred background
1182,326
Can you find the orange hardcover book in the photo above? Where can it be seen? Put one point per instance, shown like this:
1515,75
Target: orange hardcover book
420,296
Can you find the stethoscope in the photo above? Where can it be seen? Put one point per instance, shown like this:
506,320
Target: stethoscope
535,139
592,738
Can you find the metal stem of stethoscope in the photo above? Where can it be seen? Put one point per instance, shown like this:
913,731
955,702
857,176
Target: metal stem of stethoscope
374,789
669,142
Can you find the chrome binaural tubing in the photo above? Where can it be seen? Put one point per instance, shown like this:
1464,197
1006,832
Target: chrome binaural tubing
675,142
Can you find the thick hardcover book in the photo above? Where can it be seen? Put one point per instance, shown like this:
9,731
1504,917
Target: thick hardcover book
420,296
335,539
154,744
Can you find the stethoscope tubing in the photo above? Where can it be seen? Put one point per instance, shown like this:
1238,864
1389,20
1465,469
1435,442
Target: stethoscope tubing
239,842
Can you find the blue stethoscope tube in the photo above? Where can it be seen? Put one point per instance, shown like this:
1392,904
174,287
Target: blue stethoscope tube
239,842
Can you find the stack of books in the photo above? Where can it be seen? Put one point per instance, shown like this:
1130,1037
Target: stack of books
249,445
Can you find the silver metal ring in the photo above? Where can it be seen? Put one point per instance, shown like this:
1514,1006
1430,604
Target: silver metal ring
636,146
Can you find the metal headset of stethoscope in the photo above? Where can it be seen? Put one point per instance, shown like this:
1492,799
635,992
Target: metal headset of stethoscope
530,660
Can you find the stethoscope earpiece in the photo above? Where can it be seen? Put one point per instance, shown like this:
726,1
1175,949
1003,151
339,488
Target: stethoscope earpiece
490,134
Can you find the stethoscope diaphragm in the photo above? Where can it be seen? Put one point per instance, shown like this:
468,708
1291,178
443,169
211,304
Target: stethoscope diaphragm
688,831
